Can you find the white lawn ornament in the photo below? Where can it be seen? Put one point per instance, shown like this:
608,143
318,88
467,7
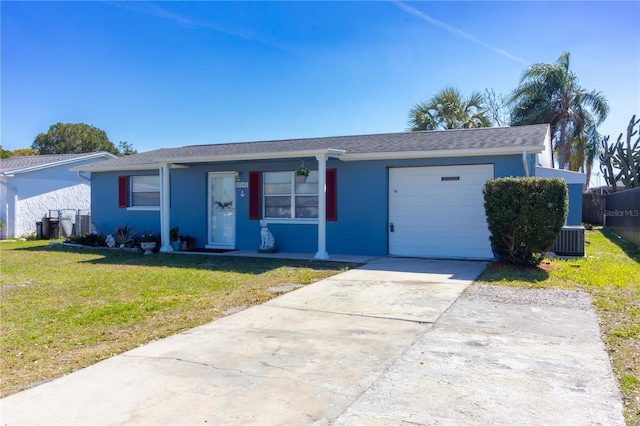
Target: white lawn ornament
267,243
111,242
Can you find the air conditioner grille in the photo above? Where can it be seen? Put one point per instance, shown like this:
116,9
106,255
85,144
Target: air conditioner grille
570,242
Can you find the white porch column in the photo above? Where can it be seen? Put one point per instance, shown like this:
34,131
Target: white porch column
322,208
165,214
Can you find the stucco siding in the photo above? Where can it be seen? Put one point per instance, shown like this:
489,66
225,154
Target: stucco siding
574,217
104,206
46,196
39,191
35,191
362,203
362,226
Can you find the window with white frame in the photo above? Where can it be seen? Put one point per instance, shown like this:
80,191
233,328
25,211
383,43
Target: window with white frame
287,196
144,191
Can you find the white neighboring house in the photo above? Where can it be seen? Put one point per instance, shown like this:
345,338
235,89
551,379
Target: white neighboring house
31,186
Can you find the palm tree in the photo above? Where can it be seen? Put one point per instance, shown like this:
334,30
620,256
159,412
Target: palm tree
591,152
449,110
551,93
584,151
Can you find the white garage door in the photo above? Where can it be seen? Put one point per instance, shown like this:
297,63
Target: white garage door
439,212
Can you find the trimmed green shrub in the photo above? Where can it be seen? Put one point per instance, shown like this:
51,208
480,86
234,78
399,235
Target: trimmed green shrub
525,216
87,239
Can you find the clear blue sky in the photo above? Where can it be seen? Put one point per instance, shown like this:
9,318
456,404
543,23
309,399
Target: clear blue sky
167,74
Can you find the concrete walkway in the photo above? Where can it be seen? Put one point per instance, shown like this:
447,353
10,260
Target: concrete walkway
357,348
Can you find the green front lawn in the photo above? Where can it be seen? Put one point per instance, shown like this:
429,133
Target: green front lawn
63,309
611,273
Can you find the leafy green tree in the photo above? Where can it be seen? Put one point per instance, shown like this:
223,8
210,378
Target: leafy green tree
73,138
591,152
551,93
22,152
585,148
125,148
448,109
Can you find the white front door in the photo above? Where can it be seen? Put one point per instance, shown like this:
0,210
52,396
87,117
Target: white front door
438,211
222,210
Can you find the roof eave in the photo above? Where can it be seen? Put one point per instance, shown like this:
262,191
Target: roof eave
330,152
115,168
58,163
371,156
405,155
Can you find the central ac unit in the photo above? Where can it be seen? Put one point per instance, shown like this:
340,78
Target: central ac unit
570,242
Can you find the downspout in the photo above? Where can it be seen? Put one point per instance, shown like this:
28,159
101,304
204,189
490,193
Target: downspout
322,208
13,221
165,207
525,163
80,175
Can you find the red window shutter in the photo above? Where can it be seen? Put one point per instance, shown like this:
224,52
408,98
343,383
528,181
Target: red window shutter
122,192
254,196
332,196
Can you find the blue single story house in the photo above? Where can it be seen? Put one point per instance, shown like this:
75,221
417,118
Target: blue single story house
401,194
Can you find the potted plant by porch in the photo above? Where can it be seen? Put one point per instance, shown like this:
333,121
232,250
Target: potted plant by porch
302,173
188,242
174,238
124,236
148,242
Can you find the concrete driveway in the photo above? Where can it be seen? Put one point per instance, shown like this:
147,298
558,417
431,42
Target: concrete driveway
358,348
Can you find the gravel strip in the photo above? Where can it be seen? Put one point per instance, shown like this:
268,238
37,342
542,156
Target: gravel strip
530,296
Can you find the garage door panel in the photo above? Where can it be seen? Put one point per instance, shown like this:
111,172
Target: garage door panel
436,246
418,183
433,217
432,195
437,204
442,252
443,248
430,232
424,227
407,207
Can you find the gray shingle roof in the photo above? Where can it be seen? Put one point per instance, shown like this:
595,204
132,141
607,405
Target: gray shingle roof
490,138
9,165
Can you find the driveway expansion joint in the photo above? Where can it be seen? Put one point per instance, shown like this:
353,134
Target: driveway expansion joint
373,316
204,364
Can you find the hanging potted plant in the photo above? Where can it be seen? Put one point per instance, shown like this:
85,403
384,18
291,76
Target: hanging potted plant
301,173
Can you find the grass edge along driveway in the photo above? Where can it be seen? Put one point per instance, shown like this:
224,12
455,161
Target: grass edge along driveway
611,274
63,309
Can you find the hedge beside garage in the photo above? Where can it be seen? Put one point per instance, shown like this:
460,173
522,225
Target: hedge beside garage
525,216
